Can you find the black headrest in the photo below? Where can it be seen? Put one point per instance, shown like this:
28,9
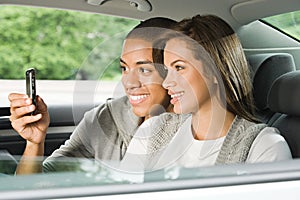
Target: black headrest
265,69
284,96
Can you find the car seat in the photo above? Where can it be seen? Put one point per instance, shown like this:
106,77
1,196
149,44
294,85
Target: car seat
8,163
284,98
265,68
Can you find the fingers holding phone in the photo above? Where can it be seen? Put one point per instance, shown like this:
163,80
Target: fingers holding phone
29,114
20,105
37,101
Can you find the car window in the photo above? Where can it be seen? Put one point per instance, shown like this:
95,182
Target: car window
76,55
88,177
287,23
62,46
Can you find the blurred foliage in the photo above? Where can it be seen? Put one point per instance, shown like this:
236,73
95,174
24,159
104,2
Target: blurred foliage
288,23
60,44
64,44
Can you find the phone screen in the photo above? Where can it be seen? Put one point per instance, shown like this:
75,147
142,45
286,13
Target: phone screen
30,84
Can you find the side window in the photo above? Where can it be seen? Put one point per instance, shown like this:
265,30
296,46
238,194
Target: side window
62,45
288,23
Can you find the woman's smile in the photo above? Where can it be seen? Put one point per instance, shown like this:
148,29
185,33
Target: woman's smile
175,97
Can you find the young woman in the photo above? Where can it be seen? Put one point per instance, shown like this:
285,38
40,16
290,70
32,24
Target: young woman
105,132
209,83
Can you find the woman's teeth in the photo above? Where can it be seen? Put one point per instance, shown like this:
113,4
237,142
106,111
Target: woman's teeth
177,95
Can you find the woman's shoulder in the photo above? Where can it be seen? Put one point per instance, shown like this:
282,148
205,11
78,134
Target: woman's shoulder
270,134
247,125
266,142
262,130
269,145
242,128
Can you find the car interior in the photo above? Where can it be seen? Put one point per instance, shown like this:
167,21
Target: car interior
271,65
273,57
283,98
275,78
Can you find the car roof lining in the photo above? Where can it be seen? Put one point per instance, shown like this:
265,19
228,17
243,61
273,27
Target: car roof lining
261,8
236,12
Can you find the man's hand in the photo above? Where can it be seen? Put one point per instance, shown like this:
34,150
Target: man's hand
32,128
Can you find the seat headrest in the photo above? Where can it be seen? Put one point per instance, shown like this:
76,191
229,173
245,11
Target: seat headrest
284,96
265,69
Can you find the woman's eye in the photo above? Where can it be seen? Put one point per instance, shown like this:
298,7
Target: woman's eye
178,67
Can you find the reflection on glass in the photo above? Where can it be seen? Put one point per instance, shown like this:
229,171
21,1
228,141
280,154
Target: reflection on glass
75,172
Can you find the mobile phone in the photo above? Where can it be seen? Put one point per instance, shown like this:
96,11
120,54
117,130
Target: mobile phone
31,85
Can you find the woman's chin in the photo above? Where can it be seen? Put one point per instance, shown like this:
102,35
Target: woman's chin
178,110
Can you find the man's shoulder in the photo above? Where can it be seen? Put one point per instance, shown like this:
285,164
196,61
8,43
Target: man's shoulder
120,101
112,104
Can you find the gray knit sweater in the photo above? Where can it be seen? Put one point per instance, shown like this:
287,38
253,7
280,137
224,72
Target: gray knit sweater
235,147
103,134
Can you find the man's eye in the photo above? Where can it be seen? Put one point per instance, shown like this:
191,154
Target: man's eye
123,68
145,70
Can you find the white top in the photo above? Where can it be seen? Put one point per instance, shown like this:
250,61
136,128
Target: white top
184,150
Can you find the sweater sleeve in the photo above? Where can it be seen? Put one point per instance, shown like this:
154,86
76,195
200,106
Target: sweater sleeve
135,157
78,145
269,146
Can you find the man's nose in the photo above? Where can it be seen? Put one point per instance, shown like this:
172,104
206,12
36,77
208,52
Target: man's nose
131,80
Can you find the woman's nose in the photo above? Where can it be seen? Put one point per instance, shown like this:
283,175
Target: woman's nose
131,80
169,81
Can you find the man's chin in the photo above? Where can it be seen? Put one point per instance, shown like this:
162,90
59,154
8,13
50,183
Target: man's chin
140,112
156,110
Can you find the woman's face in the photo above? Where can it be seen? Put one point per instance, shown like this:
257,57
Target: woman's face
187,87
142,82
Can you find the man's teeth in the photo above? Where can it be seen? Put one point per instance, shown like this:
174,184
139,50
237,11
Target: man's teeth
177,95
138,97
